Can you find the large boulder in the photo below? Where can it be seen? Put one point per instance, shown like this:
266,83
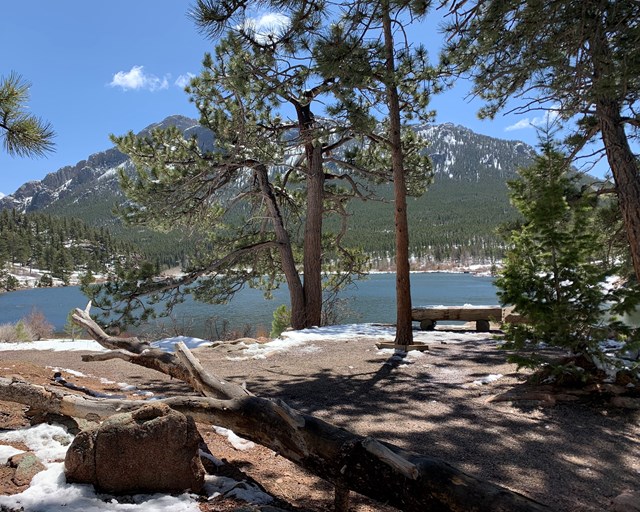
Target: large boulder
153,449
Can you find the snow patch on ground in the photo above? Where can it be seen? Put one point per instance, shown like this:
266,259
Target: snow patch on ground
48,442
168,344
488,379
49,491
302,340
55,345
6,452
75,373
236,441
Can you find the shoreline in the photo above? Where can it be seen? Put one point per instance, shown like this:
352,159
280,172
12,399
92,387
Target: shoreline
29,280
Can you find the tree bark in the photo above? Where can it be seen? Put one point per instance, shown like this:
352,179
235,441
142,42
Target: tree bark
296,291
312,259
407,480
626,174
404,325
623,163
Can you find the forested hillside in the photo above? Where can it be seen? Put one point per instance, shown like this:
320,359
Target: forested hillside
453,222
58,246
456,219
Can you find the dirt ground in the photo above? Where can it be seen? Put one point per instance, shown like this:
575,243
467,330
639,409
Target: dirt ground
571,455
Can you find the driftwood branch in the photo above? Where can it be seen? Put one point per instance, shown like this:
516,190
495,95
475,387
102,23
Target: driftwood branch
406,480
205,383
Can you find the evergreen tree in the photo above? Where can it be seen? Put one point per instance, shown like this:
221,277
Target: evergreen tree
7,281
380,72
281,320
22,133
71,328
271,75
552,273
45,281
87,278
265,177
335,59
580,59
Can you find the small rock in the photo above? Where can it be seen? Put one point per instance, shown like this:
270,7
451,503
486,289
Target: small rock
27,465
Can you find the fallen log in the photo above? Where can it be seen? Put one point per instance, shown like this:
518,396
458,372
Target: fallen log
406,480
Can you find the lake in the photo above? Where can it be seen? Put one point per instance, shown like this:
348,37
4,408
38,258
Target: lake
370,300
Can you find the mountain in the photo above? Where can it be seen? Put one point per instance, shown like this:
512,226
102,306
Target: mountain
88,179
454,220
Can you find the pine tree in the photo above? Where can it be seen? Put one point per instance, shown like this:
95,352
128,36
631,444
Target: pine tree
71,328
276,162
22,133
380,74
579,59
552,273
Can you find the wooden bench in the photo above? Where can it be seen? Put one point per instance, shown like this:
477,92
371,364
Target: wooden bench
482,315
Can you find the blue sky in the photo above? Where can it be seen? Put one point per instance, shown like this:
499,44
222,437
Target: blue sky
100,68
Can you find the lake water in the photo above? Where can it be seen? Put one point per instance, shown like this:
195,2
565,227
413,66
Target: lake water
370,300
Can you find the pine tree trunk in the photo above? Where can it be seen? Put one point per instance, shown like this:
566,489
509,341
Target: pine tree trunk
312,259
404,333
626,174
622,161
296,292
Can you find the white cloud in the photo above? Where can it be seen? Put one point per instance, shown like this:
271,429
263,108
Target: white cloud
270,22
136,79
267,25
183,80
548,119
520,125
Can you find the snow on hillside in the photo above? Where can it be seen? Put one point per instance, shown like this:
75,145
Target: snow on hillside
453,148
29,277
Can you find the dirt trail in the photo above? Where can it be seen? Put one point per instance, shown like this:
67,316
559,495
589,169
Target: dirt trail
573,457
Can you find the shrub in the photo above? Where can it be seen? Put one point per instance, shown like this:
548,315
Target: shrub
45,281
23,332
71,328
8,333
281,320
8,282
37,325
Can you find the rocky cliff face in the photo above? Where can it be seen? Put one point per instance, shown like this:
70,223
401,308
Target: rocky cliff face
458,154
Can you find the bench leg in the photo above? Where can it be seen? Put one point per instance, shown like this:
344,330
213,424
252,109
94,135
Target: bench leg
483,326
427,325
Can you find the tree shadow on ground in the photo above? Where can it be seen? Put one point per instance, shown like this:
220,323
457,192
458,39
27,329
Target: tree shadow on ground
571,456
